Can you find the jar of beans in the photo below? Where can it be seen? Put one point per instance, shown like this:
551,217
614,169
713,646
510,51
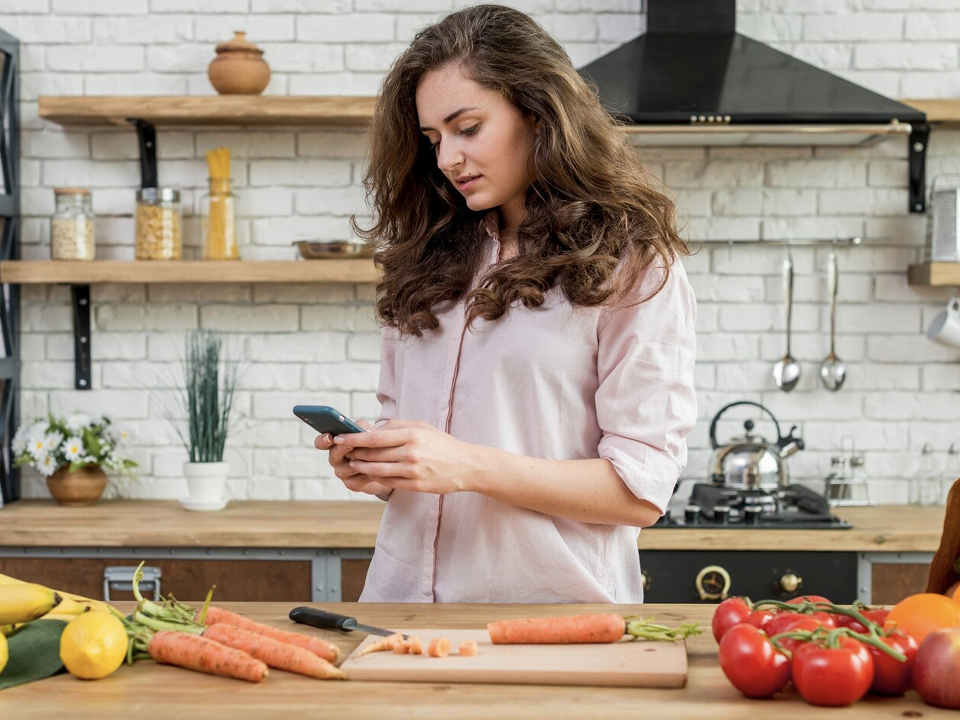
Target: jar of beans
71,227
159,224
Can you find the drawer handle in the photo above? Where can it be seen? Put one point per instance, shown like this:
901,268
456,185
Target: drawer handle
119,578
790,583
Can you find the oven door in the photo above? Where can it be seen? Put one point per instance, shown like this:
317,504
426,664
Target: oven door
702,576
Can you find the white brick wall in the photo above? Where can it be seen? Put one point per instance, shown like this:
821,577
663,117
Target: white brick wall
320,343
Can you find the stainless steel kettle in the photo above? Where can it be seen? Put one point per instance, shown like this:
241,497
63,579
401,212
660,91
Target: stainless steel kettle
750,462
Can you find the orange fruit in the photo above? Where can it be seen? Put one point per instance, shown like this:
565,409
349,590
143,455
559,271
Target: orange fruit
921,614
954,592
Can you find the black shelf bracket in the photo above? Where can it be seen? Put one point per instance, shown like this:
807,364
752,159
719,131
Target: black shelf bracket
80,299
919,140
147,137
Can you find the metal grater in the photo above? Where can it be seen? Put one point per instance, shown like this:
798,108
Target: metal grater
944,236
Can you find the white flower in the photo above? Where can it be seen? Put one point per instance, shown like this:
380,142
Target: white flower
43,445
37,430
73,448
78,422
20,440
47,465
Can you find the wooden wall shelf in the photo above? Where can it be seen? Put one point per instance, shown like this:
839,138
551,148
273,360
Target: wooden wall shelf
27,272
198,110
935,274
938,111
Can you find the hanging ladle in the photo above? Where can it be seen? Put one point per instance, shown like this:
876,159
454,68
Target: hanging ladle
786,372
832,371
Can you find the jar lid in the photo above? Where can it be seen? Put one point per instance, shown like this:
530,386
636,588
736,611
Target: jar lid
70,191
155,194
238,42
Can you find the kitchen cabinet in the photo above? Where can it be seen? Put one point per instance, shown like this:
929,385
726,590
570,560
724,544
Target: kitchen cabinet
321,550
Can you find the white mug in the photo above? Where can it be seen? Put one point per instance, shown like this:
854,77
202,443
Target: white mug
945,328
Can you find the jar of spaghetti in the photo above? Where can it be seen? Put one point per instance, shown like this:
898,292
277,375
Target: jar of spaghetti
71,227
158,220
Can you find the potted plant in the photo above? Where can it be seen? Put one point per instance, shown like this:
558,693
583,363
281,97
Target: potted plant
210,384
73,453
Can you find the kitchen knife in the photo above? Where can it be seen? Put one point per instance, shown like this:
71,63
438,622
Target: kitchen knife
333,621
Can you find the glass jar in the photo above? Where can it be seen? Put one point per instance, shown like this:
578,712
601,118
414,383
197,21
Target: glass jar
159,233
218,221
71,227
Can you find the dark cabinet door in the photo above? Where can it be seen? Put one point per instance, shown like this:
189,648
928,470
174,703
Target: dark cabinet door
187,580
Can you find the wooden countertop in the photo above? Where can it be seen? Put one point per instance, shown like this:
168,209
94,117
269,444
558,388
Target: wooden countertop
148,690
346,524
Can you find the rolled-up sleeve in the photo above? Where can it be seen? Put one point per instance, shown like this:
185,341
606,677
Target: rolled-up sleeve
646,402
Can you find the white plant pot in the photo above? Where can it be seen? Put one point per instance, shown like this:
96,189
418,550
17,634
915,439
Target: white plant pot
206,485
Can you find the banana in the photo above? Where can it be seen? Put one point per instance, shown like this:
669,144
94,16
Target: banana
8,629
7,580
72,604
23,603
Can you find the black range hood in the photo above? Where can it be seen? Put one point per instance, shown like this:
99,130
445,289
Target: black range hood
691,74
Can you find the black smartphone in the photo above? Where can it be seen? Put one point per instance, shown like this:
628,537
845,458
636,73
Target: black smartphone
325,419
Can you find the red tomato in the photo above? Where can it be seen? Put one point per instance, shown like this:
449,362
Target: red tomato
787,621
760,618
807,598
877,616
890,676
728,613
937,668
751,662
832,676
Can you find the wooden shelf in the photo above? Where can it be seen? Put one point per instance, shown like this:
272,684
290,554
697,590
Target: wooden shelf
208,110
935,274
938,111
26,272
346,111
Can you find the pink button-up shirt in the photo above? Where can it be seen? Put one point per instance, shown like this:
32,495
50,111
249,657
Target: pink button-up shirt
559,382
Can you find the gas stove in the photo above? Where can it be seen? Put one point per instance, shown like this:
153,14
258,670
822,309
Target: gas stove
793,507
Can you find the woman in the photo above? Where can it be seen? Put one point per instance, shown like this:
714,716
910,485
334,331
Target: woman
538,346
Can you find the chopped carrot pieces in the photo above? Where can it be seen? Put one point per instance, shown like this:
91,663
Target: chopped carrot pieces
439,647
416,647
387,643
468,648
401,648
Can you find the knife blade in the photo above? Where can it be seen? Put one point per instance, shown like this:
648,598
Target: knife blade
332,621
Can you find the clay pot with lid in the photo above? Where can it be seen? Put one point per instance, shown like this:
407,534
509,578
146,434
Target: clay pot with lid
239,68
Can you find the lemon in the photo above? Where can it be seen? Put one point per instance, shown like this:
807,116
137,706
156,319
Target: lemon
4,652
93,645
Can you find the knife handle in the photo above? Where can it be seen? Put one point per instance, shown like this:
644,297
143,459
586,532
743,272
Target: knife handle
323,619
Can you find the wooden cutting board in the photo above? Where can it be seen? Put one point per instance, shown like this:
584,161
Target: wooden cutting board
626,663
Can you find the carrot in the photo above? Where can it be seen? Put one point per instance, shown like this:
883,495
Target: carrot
596,628
416,647
386,643
274,653
468,648
401,648
194,652
320,648
439,647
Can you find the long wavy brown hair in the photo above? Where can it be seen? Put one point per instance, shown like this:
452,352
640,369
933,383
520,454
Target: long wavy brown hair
595,218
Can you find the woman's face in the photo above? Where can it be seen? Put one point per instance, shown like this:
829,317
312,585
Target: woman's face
481,141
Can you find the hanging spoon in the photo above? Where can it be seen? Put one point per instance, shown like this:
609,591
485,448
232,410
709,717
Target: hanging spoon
786,372
832,371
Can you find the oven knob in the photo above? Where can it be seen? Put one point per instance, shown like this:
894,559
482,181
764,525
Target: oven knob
721,513
691,514
713,583
790,583
751,514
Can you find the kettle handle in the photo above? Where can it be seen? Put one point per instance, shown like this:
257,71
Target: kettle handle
713,425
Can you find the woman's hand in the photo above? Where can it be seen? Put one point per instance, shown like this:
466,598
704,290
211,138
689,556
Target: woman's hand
353,479
411,456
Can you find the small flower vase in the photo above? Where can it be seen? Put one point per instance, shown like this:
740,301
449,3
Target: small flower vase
206,486
77,488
